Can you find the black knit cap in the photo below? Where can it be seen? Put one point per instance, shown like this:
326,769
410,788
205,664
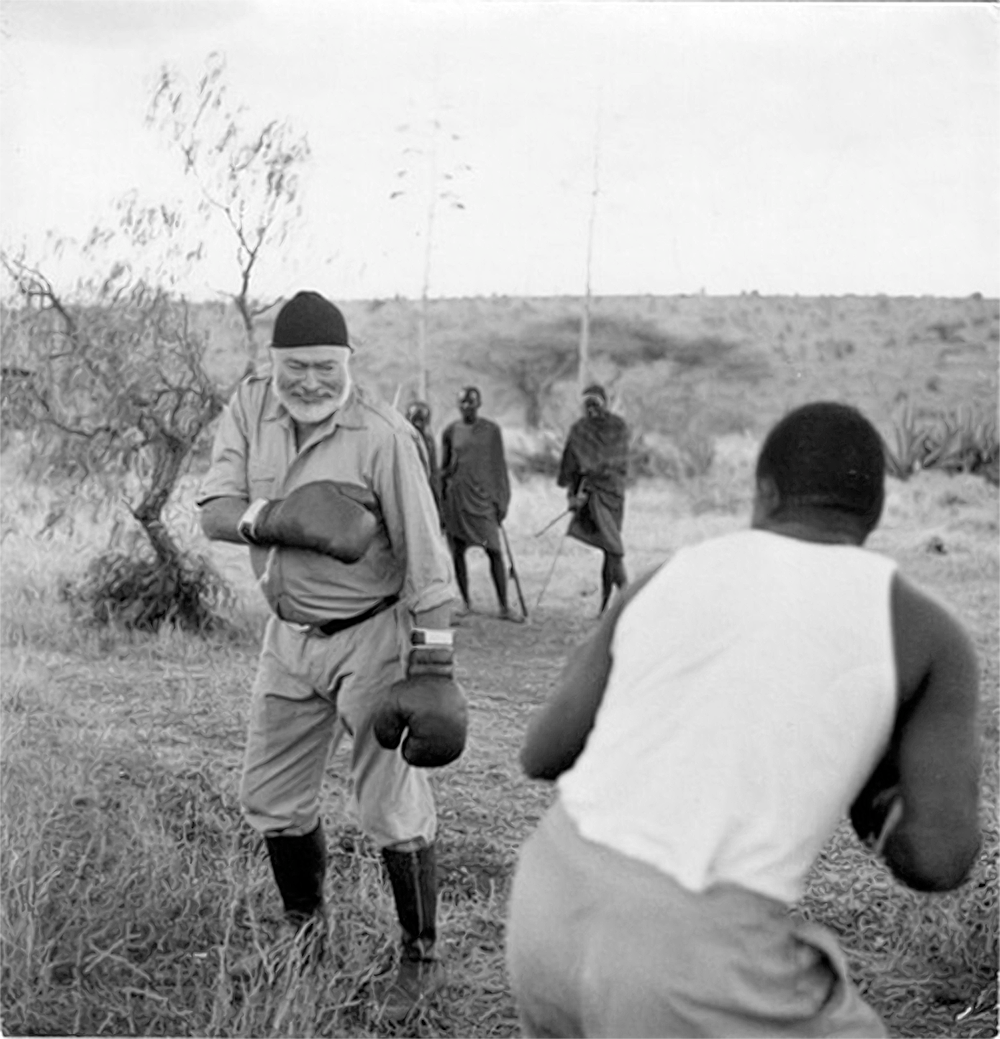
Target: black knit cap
308,319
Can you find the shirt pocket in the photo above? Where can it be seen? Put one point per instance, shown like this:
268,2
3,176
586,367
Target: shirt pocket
262,480
267,463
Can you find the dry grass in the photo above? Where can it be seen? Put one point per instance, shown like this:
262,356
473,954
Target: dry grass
130,877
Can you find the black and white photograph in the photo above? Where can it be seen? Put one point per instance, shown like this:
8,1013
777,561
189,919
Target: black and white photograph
499,518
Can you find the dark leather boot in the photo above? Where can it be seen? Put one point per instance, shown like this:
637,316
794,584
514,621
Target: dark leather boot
299,868
412,875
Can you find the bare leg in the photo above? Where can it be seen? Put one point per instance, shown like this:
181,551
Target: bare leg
612,574
458,548
499,579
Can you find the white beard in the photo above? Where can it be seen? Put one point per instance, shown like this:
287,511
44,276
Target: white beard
310,414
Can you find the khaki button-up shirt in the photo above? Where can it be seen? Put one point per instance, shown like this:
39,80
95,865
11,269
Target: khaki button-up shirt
365,444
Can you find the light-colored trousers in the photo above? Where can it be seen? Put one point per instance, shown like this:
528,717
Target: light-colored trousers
600,944
304,682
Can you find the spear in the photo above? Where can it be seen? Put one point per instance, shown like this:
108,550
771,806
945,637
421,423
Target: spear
513,574
548,578
565,512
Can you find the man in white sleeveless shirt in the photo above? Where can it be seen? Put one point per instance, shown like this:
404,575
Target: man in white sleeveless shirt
729,711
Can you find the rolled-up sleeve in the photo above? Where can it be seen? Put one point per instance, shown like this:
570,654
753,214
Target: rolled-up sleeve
227,472
413,526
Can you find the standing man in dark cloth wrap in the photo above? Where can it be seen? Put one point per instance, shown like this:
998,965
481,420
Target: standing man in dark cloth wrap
475,492
593,469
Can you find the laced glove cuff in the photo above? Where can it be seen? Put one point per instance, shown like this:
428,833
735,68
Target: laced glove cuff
432,652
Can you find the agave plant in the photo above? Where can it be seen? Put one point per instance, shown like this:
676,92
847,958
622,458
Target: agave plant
963,440
977,447
911,437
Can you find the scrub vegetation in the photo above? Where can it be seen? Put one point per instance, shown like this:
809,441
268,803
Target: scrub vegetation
129,876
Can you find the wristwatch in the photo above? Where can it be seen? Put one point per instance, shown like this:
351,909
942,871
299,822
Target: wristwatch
245,527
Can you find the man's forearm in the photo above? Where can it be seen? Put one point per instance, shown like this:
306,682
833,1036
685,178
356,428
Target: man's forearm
936,860
220,517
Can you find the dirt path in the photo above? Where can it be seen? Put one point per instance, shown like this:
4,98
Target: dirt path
507,670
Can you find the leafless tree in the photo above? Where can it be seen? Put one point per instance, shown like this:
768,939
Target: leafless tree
530,364
247,171
110,375
105,380
427,144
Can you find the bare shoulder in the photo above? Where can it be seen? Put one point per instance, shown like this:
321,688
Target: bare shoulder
558,732
636,586
926,637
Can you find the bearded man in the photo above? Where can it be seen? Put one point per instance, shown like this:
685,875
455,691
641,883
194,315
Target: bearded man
326,486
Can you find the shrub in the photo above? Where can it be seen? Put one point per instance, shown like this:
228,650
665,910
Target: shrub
947,331
533,451
905,456
685,456
144,594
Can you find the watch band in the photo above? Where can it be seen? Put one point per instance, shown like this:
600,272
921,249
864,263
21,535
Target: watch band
436,637
245,527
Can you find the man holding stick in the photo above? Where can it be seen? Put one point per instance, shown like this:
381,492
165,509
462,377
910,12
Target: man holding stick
593,469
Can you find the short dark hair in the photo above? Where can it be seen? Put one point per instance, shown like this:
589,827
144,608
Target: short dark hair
826,456
419,409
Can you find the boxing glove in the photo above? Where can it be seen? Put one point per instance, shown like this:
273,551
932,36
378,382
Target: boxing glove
317,516
427,705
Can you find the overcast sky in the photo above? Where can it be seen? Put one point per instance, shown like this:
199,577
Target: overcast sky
804,148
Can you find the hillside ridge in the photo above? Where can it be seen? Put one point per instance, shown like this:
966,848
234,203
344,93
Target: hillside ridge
728,363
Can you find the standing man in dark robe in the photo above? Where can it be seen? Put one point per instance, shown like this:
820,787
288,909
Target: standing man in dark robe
419,415
475,491
593,470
